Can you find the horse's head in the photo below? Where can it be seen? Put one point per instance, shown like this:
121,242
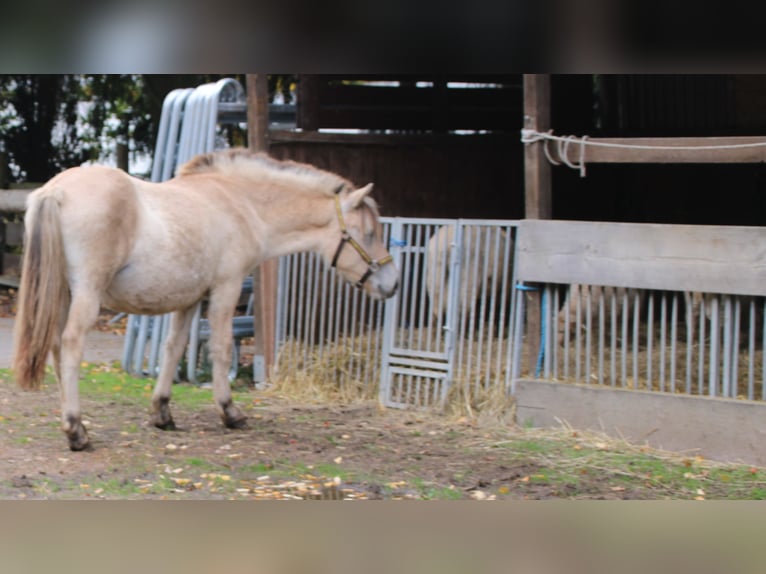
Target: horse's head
361,256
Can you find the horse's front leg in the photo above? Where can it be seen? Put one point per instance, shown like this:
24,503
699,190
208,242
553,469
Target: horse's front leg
178,335
67,353
220,313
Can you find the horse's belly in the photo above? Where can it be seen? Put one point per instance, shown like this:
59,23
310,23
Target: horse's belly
151,295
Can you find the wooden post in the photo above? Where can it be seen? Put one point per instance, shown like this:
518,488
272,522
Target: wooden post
537,185
121,152
265,276
4,179
537,170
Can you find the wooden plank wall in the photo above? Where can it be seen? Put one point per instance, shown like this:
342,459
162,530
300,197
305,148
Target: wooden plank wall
424,176
716,259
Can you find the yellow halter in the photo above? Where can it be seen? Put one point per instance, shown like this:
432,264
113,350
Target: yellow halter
372,265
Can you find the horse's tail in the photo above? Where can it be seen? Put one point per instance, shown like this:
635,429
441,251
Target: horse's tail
43,292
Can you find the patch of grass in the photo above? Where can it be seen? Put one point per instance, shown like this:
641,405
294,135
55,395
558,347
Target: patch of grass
202,464
115,488
109,381
571,460
431,491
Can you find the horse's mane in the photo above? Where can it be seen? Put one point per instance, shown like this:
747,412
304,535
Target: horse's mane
242,161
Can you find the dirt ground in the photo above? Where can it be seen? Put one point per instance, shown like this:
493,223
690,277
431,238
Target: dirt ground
317,451
288,451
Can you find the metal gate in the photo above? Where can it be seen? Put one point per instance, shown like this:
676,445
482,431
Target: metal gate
451,320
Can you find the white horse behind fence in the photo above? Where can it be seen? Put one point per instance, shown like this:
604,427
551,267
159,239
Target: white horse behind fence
486,256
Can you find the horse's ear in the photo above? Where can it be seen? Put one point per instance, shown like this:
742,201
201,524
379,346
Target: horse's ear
356,197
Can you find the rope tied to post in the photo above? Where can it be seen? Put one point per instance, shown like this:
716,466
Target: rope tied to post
563,143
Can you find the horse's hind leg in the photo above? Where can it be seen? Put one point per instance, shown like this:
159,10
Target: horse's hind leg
67,353
220,314
180,323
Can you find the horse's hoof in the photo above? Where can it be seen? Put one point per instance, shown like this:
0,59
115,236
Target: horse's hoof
163,423
160,416
233,417
78,439
238,423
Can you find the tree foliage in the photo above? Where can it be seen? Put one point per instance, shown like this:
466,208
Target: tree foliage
51,122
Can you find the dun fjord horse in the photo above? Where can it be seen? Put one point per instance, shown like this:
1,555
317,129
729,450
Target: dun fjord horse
97,236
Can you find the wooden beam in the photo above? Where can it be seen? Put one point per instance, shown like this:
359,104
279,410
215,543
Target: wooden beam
599,152
706,258
537,184
265,276
537,170
257,112
14,200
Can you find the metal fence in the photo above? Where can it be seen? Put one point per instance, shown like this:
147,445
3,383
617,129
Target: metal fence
458,330
686,317
326,328
449,326
668,341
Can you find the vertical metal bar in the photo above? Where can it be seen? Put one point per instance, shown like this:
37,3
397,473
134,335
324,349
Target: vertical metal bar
673,337
482,287
413,273
429,285
279,327
624,357
546,322
578,329
636,326
601,335
701,346
554,332
763,351
727,346
567,329
323,306
289,361
419,295
751,350
407,304
308,294
518,337
300,300
613,337
715,331
493,234
140,349
588,331
689,300
333,294
734,352
505,297
353,336
459,284
649,339
385,316
662,345
514,319
447,321
469,239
